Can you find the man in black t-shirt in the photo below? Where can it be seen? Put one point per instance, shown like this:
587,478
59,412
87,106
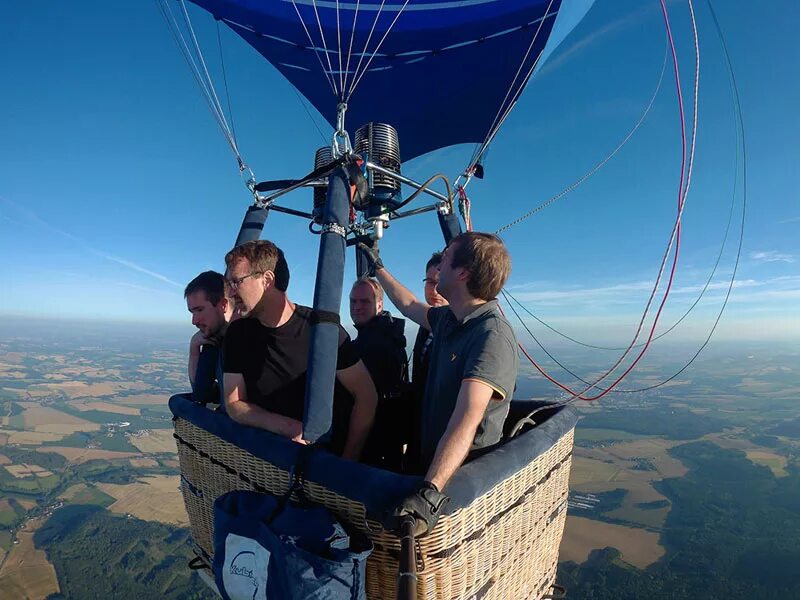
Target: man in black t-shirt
266,356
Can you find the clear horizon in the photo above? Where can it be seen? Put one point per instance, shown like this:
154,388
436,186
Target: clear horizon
116,190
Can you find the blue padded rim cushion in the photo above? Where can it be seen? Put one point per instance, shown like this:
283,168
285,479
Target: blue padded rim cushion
377,489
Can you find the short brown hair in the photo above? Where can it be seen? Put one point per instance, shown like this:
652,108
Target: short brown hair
263,256
212,284
373,283
434,261
485,257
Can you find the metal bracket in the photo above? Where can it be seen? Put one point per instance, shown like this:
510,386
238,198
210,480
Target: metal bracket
340,144
334,228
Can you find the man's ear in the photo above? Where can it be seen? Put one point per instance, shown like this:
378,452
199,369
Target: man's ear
379,306
269,277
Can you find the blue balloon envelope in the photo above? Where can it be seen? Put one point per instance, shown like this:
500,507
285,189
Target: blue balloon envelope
441,72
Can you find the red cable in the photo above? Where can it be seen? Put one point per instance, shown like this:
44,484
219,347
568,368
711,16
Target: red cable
677,230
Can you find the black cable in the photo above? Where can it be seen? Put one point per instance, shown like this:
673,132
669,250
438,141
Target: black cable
421,189
225,80
310,116
538,343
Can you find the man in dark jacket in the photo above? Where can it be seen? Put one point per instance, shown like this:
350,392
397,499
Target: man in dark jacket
381,343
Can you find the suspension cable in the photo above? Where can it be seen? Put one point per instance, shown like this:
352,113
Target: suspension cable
324,45
201,76
572,187
356,77
674,238
366,45
225,81
498,120
314,47
350,48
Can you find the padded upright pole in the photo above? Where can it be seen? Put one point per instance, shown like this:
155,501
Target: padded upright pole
324,346
450,225
252,224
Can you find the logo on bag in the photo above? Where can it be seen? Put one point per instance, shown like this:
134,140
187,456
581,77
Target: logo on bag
243,565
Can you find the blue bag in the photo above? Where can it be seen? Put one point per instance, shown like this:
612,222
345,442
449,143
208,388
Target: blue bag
268,548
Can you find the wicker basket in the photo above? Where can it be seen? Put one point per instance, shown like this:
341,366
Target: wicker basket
502,545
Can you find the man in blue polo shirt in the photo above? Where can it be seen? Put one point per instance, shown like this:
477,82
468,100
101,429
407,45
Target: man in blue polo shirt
473,364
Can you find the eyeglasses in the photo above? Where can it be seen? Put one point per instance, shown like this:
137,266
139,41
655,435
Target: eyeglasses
237,281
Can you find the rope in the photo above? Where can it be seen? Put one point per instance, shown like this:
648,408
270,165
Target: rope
741,131
569,189
674,238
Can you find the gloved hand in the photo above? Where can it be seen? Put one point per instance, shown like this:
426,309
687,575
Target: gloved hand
425,505
373,258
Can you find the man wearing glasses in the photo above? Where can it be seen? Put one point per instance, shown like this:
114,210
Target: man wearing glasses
266,356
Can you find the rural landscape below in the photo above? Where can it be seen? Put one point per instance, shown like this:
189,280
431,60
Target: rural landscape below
689,488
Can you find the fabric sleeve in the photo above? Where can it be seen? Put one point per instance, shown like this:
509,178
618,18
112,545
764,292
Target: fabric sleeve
348,354
233,347
493,360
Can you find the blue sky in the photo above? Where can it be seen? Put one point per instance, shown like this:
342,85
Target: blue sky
116,187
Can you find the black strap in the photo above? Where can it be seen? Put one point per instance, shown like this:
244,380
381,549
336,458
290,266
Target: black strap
324,316
558,592
297,475
279,184
197,563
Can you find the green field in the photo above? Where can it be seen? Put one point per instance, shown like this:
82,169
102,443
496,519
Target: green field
93,496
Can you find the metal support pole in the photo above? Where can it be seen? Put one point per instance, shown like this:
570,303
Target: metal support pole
324,345
252,224
407,576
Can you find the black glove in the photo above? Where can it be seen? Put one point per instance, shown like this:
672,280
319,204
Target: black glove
373,258
425,505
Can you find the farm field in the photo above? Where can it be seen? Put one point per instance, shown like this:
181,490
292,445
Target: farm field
21,471
35,416
31,437
142,399
110,407
26,573
82,455
154,498
639,548
155,441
